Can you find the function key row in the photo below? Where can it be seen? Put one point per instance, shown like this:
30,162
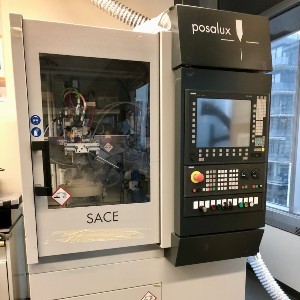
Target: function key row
208,153
224,204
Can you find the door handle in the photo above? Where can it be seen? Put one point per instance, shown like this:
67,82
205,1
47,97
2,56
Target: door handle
43,146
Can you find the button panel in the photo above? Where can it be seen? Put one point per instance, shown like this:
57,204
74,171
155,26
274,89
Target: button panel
217,205
204,153
222,179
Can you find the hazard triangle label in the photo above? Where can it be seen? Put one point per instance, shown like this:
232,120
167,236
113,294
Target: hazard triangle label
149,296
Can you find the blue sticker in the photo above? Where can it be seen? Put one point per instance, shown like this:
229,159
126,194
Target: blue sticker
36,132
35,120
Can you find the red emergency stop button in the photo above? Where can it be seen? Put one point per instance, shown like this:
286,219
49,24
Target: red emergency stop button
197,177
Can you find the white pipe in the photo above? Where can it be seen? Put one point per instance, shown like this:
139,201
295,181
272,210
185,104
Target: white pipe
266,279
121,12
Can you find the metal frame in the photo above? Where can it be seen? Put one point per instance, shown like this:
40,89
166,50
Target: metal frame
280,8
40,227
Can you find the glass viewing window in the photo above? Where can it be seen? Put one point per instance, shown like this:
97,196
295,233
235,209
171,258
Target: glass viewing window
96,117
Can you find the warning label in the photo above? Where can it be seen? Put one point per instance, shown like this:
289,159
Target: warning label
149,296
61,196
108,147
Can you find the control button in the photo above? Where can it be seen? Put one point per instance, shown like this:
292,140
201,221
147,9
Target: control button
213,207
219,207
251,204
244,174
197,177
246,204
241,205
203,209
230,205
255,173
195,205
194,190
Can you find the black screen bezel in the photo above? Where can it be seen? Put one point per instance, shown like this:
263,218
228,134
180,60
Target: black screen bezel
191,151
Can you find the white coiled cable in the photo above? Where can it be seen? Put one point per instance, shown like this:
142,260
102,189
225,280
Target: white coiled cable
265,277
121,12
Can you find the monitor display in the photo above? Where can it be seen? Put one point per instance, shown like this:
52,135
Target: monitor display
223,123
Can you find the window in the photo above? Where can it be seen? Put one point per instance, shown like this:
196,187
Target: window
96,117
283,194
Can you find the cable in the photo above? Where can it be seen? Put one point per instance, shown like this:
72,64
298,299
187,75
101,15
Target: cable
105,110
265,277
121,12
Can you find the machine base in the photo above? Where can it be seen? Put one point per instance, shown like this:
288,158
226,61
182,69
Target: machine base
206,248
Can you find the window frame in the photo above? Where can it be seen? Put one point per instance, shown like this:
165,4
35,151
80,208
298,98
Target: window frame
283,21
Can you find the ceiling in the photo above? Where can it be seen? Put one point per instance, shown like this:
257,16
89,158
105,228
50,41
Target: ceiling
247,6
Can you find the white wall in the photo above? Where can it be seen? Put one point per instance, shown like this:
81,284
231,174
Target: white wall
67,11
281,252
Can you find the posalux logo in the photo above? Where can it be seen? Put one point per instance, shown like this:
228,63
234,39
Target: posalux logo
225,32
217,29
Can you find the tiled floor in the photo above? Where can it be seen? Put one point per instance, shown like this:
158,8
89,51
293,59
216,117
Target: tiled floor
254,289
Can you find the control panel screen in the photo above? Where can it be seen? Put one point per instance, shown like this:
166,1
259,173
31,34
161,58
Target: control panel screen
223,123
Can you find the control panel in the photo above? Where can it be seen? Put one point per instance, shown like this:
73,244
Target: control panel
220,179
223,161
221,152
223,204
219,189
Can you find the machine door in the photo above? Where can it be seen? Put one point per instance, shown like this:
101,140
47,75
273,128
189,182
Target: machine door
93,114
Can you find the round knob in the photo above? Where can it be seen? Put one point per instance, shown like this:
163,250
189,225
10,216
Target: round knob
203,209
197,177
244,174
224,206
255,173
